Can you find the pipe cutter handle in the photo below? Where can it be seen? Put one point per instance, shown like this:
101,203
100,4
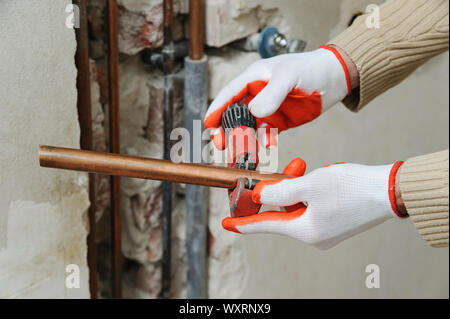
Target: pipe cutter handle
241,141
242,152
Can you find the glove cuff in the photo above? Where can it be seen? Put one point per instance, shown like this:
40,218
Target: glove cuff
391,190
344,66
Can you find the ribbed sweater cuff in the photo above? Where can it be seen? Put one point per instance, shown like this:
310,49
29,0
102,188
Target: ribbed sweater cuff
424,190
409,33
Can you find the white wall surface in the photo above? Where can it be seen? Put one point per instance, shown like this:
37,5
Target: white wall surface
410,119
42,211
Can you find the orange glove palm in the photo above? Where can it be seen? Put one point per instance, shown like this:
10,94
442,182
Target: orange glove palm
283,92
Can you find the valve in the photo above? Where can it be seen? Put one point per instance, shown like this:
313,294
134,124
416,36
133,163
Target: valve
271,42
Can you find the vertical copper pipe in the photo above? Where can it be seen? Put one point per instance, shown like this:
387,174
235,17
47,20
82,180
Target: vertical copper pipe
196,29
167,20
85,120
168,66
114,141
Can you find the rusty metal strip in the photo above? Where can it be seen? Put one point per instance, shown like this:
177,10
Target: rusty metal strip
114,141
85,120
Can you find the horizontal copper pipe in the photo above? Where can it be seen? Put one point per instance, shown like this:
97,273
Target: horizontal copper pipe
147,168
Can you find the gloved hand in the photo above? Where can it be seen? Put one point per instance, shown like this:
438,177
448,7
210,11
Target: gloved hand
283,92
341,201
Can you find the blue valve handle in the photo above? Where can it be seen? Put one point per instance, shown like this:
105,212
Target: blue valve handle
265,42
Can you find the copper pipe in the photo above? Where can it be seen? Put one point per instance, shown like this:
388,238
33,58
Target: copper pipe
147,168
167,20
196,29
114,141
85,120
168,69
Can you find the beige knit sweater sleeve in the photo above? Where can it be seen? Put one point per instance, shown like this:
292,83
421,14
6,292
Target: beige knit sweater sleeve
410,33
423,183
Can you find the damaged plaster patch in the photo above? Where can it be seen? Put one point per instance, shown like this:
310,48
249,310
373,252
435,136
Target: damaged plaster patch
41,209
140,25
230,20
42,240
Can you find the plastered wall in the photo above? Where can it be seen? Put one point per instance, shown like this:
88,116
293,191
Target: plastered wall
409,120
42,211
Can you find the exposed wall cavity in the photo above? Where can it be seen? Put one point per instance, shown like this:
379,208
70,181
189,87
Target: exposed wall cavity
141,94
42,211
141,103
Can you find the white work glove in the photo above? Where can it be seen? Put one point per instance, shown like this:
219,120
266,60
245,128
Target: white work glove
341,201
283,92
